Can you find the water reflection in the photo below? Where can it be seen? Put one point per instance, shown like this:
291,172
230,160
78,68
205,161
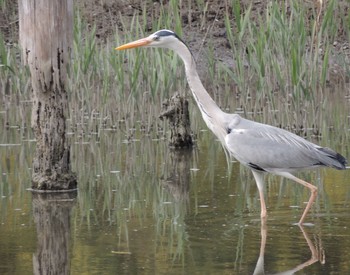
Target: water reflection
317,252
178,178
171,209
52,215
143,207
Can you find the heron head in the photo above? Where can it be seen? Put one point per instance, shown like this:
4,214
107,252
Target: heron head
159,39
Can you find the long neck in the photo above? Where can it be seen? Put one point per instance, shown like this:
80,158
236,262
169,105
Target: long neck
210,111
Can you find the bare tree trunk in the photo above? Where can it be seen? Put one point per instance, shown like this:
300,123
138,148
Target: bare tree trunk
46,32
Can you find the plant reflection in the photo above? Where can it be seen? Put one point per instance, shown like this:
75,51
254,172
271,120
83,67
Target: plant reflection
51,213
317,252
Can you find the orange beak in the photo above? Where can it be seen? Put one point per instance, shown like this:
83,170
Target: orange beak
134,44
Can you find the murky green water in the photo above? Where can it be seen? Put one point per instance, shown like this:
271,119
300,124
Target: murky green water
144,208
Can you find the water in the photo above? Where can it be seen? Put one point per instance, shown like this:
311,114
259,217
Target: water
144,208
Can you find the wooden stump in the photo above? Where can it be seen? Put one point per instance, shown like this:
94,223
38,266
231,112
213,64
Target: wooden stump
46,32
176,111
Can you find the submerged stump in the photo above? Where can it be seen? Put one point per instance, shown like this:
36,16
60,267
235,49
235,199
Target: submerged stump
46,32
176,111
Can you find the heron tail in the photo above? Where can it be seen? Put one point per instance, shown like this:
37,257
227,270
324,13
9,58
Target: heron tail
332,159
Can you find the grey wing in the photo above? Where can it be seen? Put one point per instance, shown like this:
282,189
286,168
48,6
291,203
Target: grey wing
267,148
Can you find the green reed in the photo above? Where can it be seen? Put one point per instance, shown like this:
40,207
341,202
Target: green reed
279,73
281,59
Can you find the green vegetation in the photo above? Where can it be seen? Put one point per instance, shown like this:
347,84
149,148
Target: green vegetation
281,66
282,60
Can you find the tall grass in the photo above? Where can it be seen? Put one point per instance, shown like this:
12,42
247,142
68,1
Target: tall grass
280,72
282,60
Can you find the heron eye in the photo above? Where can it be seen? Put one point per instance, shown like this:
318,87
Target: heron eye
156,38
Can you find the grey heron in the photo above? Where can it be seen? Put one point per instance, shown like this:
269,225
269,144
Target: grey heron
260,147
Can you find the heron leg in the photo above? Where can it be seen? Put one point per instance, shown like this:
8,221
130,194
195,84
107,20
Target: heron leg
262,205
313,195
259,179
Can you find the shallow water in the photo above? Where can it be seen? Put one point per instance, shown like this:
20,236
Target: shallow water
144,208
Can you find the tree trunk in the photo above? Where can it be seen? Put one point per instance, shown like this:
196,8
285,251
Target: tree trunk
46,32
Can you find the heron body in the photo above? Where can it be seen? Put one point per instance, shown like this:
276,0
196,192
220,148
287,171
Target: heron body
260,147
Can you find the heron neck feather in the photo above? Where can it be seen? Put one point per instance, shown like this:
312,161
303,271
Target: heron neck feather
209,109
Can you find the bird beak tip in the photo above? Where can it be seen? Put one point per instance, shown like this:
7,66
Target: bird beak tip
135,44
